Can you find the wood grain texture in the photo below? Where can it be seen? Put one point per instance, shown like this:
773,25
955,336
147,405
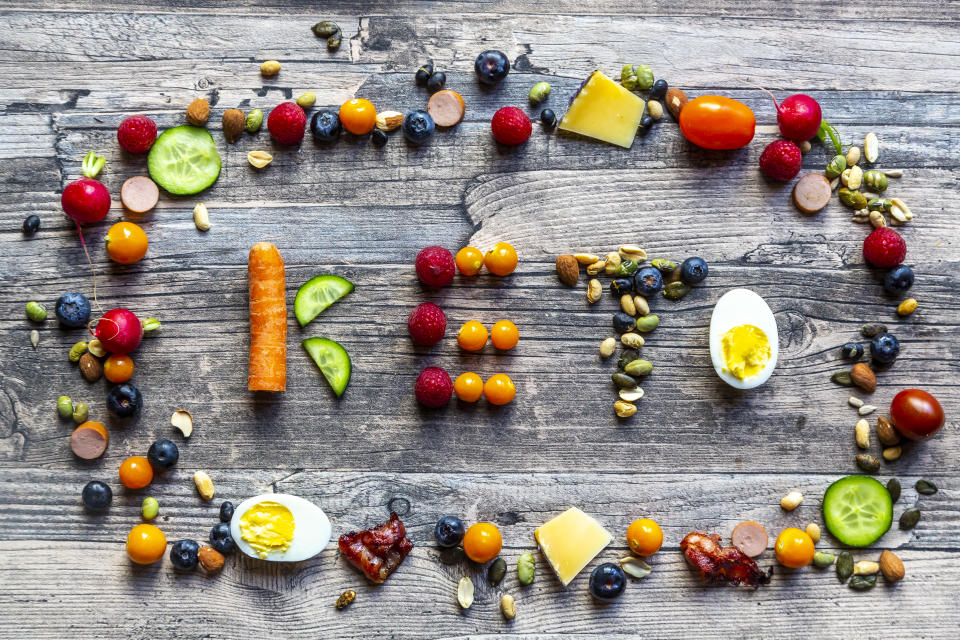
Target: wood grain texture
698,455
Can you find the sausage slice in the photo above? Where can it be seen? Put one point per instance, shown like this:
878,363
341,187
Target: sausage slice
139,194
750,537
89,440
446,108
812,193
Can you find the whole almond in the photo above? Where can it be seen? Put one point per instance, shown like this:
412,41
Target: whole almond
210,559
863,377
675,101
198,112
234,122
891,566
887,435
568,270
90,368
389,120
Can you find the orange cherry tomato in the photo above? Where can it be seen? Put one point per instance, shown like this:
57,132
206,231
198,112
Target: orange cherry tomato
118,368
468,387
136,472
499,389
716,122
501,260
146,544
504,335
469,261
472,336
358,116
126,243
644,537
482,542
794,548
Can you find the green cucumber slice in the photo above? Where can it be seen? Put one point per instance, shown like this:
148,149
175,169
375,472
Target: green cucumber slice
857,510
317,294
333,360
184,160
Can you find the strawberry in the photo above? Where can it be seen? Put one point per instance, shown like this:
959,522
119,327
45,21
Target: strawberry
511,126
781,160
435,267
884,248
434,387
427,324
287,122
137,134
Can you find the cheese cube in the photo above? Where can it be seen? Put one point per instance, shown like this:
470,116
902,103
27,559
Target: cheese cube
604,110
570,541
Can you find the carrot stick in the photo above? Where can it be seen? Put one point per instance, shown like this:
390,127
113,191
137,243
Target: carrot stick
268,320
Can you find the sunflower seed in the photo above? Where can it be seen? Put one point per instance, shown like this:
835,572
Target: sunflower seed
34,338
854,401
893,173
866,409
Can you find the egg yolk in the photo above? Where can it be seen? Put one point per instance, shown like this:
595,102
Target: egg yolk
267,527
745,351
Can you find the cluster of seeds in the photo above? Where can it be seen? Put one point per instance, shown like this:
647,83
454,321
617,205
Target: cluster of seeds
868,204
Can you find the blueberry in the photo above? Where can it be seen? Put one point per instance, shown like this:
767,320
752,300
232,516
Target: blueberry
898,279
449,532
852,351
694,270
31,224
607,582
548,118
226,511
423,74
646,123
417,126
220,538
647,281
378,137
325,126
436,81
97,496
884,348
620,286
124,400
659,89
183,554
623,322
492,66
73,309
163,454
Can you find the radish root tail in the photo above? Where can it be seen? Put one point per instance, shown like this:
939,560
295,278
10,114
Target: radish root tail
92,270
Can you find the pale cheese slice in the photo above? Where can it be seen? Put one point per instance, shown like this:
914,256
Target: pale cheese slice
604,110
570,541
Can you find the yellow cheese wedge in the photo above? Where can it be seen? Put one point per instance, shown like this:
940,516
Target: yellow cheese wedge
604,110
570,541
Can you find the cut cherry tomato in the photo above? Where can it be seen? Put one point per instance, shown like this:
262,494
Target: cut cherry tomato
716,122
916,414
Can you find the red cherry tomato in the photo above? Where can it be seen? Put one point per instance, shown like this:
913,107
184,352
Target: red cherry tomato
916,414
715,122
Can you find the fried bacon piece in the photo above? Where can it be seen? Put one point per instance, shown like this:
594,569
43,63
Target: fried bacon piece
719,564
377,551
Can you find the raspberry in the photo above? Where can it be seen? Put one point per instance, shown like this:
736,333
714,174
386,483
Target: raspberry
287,122
427,324
137,134
781,160
435,267
511,126
884,248
434,387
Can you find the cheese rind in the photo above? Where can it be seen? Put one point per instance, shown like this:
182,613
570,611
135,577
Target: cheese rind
570,541
604,110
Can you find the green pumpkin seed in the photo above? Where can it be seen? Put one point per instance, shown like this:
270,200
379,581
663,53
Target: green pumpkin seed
676,290
879,204
909,518
844,566
863,583
868,463
842,378
872,329
665,267
923,487
526,567
647,323
822,559
623,380
893,488
639,368
626,268
497,571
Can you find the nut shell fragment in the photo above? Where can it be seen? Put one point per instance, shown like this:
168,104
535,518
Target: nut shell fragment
182,420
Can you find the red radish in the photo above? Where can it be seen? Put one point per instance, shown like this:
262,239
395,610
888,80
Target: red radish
798,117
119,331
85,200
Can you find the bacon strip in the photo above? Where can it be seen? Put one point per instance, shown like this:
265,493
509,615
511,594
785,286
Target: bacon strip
378,551
718,564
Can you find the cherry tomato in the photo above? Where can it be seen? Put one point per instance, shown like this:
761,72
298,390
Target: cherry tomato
501,260
482,542
644,537
794,548
504,335
472,336
358,116
468,387
715,122
499,389
136,472
126,243
916,414
146,544
469,261
118,368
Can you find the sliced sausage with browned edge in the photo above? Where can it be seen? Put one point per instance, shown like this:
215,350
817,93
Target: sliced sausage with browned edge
812,193
89,440
446,108
139,194
750,537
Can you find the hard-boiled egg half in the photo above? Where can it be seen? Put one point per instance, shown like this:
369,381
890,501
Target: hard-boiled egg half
743,339
280,528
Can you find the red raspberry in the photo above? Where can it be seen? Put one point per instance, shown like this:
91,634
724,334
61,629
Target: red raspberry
511,126
137,134
434,387
287,122
781,160
427,324
884,248
435,267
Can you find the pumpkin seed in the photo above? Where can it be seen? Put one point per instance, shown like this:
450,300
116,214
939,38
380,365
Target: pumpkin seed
863,583
893,488
626,303
635,567
909,518
624,409
842,378
630,395
822,559
868,463
872,329
632,340
647,323
639,368
496,572
465,592
676,290
925,487
623,380
666,267
607,347
643,308
844,566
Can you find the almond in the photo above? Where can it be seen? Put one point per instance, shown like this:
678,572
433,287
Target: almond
887,435
233,124
389,120
891,566
198,112
90,368
863,377
211,559
675,101
568,270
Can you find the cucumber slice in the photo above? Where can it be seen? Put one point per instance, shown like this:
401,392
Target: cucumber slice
184,160
317,294
857,510
333,360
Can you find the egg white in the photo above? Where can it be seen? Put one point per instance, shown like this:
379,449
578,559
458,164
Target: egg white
738,307
311,531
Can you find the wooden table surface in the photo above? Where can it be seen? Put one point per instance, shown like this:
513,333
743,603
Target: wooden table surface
697,455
